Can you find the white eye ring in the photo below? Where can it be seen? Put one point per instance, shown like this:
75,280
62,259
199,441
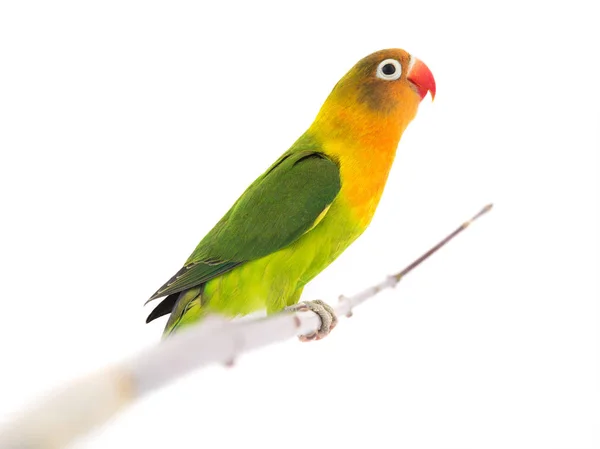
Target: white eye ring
381,73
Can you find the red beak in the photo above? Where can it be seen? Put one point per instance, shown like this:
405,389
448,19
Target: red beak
422,78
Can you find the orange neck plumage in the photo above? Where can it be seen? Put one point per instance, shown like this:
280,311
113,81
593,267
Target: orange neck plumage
364,143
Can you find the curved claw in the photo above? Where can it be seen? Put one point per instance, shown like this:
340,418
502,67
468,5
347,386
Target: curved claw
324,311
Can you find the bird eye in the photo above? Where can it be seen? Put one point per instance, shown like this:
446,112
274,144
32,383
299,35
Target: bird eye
389,70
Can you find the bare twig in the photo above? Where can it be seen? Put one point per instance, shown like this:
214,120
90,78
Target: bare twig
449,237
74,410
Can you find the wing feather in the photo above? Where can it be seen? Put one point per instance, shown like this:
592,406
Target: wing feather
288,200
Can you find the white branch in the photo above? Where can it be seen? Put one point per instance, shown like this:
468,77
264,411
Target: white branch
74,410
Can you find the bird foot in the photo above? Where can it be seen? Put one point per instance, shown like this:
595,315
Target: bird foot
324,311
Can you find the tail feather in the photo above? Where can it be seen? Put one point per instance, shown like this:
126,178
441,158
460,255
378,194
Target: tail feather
186,309
165,307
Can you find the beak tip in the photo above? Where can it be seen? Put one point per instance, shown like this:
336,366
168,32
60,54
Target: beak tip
420,75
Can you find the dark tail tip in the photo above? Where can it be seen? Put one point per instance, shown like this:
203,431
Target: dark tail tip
165,307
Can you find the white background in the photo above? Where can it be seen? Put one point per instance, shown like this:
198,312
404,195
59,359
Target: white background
128,128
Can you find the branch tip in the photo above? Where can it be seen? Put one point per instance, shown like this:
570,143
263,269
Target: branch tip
442,243
485,210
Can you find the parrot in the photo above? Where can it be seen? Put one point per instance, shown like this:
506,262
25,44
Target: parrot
313,202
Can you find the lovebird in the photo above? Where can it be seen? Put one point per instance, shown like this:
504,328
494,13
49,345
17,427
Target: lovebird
315,200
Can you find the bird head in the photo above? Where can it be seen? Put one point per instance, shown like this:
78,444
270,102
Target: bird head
385,87
386,79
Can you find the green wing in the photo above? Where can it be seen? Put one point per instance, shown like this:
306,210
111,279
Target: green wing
278,208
